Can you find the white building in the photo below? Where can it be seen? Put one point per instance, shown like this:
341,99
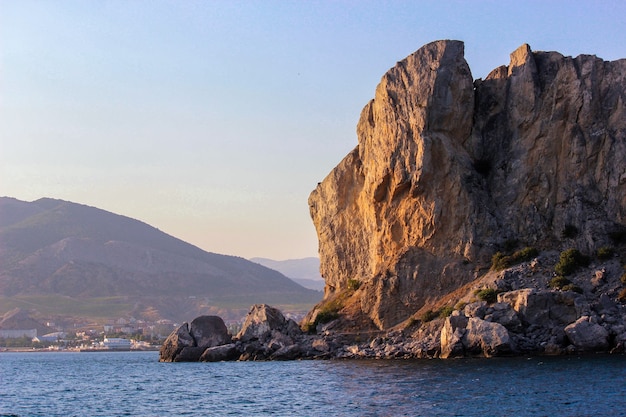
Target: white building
116,343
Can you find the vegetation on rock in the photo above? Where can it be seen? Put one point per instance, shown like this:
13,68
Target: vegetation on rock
500,261
605,252
354,284
488,295
559,282
442,313
569,261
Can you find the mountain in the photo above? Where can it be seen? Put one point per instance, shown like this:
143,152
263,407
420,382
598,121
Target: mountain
18,319
450,171
52,250
305,271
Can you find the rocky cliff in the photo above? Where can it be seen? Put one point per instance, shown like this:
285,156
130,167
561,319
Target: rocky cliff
449,170
474,218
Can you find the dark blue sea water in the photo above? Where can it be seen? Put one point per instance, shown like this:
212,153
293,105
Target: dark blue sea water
136,384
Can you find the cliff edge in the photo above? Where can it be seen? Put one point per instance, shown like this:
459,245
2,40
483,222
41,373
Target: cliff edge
449,171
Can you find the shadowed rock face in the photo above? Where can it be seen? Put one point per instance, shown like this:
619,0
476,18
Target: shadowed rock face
189,341
448,170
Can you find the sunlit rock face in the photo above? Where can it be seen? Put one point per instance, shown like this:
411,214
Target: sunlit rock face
449,170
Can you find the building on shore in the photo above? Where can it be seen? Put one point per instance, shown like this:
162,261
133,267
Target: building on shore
116,343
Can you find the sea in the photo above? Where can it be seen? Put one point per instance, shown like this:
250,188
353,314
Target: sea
136,384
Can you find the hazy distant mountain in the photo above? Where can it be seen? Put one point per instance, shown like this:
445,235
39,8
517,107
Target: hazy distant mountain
305,271
57,248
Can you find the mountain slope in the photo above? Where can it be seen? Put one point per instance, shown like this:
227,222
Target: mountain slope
55,247
305,271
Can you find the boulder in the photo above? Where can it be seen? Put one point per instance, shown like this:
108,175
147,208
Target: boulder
209,331
188,342
504,314
264,323
452,336
287,353
586,335
189,354
543,308
486,338
175,342
476,309
220,353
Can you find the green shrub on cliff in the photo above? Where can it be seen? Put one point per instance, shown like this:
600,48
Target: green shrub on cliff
558,282
569,261
572,287
489,295
354,284
326,316
564,284
429,315
445,311
500,261
605,252
441,313
328,312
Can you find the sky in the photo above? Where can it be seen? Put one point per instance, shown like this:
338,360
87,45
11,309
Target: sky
214,120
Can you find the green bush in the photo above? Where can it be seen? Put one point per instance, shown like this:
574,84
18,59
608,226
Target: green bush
327,313
460,305
572,287
487,294
605,252
441,313
559,282
429,315
499,261
445,311
326,316
354,284
569,261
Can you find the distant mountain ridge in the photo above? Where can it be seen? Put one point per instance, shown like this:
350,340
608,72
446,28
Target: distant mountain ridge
304,271
56,247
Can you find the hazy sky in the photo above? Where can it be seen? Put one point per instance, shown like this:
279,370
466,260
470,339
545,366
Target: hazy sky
214,120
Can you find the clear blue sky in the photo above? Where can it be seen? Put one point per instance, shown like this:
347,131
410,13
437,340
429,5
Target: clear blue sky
214,120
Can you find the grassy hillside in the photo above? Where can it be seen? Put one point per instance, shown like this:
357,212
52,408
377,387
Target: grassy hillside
73,259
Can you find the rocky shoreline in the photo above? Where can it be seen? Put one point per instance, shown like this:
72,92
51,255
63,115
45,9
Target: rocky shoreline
524,318
459,336
561,323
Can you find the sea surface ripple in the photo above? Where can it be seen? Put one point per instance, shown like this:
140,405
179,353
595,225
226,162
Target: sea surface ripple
136,384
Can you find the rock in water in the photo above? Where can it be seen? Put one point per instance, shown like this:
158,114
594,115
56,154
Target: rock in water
188,342
587,336
486,338
264,322
175,342
209,331
447,170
